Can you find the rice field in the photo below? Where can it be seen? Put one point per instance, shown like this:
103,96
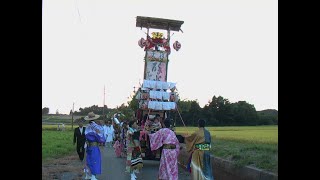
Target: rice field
54,127
66,119
254,134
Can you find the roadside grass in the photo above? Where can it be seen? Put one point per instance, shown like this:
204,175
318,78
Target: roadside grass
259,155
57,144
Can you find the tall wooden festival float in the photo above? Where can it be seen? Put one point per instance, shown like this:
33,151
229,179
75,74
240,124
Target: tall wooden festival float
156,96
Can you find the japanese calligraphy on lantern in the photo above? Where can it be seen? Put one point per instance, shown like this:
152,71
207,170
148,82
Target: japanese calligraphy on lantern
157,55
156,71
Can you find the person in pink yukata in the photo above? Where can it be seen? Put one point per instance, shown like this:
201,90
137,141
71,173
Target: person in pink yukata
165,137
117,147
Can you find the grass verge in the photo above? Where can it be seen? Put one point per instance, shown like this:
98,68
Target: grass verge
57,144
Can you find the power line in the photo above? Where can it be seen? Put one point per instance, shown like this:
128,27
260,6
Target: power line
78,10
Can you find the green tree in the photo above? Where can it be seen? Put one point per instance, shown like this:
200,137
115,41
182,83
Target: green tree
125,110
183,107
134,103
268,117
211,112
45,110
95,109
244,113
205,114
223,111
194,112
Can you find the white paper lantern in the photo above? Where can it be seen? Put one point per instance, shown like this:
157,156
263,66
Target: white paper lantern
176,46
142,42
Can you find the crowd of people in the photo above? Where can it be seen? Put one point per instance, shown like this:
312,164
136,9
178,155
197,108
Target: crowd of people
125,137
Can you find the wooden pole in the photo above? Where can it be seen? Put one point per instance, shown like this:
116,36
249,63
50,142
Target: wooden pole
168,38
104,96
145,59
72,116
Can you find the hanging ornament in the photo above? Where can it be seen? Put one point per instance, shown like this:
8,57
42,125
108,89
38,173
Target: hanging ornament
142,42
157,35
176,46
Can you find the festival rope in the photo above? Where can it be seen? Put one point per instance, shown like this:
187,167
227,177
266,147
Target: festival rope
180,115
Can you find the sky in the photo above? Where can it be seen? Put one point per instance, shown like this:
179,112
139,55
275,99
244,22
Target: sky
229,48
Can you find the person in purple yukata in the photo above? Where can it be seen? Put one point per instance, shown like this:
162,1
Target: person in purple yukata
94,136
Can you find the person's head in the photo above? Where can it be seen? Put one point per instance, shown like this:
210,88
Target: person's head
80,123
109,123
157,117
100,122
167,123
201,123
156,120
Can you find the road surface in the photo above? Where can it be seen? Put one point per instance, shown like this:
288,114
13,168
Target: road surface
113,168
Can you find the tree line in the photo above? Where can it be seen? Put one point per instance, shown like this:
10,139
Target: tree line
218,112
105,113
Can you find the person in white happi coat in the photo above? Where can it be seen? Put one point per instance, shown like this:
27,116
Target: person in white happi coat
109,134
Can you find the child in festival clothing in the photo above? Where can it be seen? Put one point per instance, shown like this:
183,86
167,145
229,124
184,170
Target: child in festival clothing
148,124
156,124
142,132
117,147
134,159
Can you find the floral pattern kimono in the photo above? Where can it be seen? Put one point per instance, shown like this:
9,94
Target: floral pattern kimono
169,159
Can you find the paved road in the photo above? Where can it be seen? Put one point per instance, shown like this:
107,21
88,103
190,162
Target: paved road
113,168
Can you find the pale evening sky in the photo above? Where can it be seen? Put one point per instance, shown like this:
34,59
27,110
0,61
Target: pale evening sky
228,48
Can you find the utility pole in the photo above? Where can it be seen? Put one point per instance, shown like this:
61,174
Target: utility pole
72,116
104,96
